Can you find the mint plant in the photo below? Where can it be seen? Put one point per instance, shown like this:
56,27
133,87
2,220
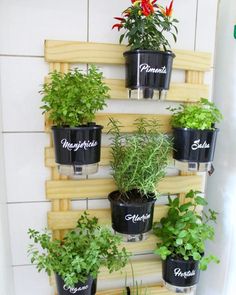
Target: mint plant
72,99
81,253
201,116
139,159
183,231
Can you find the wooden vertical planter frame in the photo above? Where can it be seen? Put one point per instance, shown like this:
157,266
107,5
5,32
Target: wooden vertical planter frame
61,191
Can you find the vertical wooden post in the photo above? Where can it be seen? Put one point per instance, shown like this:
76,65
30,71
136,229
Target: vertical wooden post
194,77
58,205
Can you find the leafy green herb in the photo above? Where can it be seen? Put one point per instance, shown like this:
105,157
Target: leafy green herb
81,253
201,115
72,99
183,231
139,159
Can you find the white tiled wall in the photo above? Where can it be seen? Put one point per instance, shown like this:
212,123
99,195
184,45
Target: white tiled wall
24,24
21,79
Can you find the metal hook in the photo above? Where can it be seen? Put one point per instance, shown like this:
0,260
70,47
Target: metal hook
211,171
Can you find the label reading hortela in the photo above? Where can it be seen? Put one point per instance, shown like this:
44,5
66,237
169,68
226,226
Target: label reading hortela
198,145
148,69
75,290
184,274
136,218
86,144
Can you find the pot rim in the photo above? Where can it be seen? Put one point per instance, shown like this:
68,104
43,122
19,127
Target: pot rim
133,204
81,127
130,52
181,260
196,130
89,276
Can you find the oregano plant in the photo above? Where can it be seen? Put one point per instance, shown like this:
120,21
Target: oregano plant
81,253
72,99
184,231
201,115
139,159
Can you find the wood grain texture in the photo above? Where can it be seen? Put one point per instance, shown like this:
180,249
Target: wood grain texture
147,246
105,158
97,188
144,247
101,53
179,92
67,220
195,77
152,290
50,157
126,120
143,269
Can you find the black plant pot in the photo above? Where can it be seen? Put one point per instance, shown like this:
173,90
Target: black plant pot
78,147
180,275
87,288
194,146
148,70
131,218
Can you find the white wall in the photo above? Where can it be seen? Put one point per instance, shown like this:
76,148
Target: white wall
6,277
24,24
220,279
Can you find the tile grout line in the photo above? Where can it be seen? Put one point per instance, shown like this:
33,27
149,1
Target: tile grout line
47,201
26,132
196,24
88,19
21,55
25,202
88,31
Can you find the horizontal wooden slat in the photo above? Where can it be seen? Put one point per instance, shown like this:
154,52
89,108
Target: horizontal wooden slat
181,92
68,219
143,270
105,157
178,92
127,121
147,246
83,52
96,188
152,290
50,157
186,92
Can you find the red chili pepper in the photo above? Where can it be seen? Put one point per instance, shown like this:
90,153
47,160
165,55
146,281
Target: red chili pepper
119,18
147,7
118,26
169,9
